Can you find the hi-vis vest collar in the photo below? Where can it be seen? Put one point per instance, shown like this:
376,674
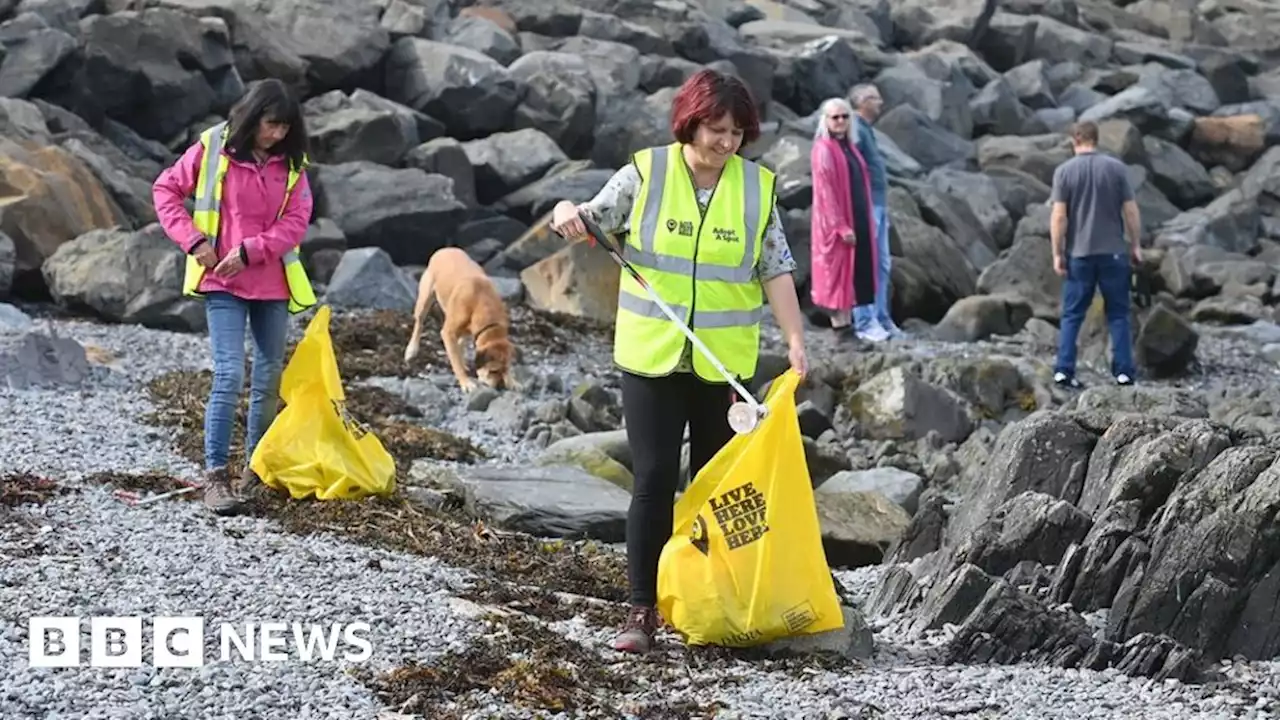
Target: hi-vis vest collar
215,166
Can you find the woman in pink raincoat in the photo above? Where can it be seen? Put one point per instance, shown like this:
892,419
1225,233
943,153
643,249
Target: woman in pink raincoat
842,240
244,285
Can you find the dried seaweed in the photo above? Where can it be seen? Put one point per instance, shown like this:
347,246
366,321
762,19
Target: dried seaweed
150,482
180,397
370,402
524,661
530,665
544,604
398,523
27,489
370,344
527,579
408,442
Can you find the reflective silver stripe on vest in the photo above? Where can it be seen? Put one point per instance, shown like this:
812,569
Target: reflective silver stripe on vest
702,319
650,218
208,202
653,201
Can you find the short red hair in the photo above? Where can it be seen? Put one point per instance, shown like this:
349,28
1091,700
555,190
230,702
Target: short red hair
705,97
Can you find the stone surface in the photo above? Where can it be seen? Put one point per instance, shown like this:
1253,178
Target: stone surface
549,501
366,278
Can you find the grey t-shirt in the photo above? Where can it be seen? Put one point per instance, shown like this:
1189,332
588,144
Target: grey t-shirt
1095,188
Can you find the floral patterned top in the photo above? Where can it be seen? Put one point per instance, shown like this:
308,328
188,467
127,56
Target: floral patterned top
611,210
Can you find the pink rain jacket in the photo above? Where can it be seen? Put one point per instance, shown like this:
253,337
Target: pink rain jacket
832,271
251,197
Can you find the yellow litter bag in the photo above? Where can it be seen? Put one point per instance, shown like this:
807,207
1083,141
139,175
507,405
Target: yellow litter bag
314,446
745,563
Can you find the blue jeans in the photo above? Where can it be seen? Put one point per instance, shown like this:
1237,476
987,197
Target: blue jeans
268,321
864,315
1110,275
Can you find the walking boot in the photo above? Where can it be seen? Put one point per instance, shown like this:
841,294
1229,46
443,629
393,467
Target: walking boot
248,485
218,495
637,634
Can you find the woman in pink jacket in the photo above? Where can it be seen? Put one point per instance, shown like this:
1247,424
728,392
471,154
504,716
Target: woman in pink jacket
842,240
243,237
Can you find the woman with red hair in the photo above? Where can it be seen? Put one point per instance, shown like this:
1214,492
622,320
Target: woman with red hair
702,228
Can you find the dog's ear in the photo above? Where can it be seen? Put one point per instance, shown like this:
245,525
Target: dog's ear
482,358
509,353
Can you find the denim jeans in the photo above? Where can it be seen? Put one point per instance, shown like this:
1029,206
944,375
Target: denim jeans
268,322
1109,274
864,315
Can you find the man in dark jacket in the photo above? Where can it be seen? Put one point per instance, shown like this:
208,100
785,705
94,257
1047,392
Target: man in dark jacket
874,323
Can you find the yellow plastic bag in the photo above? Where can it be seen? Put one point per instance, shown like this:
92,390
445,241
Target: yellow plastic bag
745,563
314,446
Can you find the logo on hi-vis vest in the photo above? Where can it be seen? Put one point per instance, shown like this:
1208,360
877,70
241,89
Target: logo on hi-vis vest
684,227
740,513
725,234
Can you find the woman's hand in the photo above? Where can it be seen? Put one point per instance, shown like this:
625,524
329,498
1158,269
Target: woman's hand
796,356
230,265
566,221
849,237
205,254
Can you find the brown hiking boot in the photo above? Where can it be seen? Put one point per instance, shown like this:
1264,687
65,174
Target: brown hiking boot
248,485
637,634
218,495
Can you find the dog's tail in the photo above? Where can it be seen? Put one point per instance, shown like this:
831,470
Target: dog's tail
426,291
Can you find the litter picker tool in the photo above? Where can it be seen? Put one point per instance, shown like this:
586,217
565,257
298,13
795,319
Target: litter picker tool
135,499
746,413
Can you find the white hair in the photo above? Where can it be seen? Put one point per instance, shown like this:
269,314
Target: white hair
862,92
827,105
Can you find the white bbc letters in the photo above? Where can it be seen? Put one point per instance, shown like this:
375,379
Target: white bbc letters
178,641
53,641
115,642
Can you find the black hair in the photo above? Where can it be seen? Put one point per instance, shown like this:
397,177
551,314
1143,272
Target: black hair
269,99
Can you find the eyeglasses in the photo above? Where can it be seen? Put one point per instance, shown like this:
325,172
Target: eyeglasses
841,116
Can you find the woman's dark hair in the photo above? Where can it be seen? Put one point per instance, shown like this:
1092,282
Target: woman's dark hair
267,99
705,97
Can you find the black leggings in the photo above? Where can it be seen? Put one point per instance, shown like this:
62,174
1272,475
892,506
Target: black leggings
656,411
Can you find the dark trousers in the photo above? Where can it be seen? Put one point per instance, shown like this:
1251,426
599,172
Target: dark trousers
1110,275
656,411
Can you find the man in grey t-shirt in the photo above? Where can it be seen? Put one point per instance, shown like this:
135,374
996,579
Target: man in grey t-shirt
1093,210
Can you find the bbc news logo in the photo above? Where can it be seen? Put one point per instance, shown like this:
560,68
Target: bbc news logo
56,641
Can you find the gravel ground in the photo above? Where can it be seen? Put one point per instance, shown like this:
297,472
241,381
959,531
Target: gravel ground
104,557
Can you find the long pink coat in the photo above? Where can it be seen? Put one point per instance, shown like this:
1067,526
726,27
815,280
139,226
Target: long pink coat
834,217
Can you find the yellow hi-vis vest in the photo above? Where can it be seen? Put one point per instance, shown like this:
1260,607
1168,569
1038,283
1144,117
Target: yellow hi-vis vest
208,206
703,267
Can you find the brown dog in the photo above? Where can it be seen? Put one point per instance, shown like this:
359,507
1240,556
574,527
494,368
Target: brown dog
472,308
